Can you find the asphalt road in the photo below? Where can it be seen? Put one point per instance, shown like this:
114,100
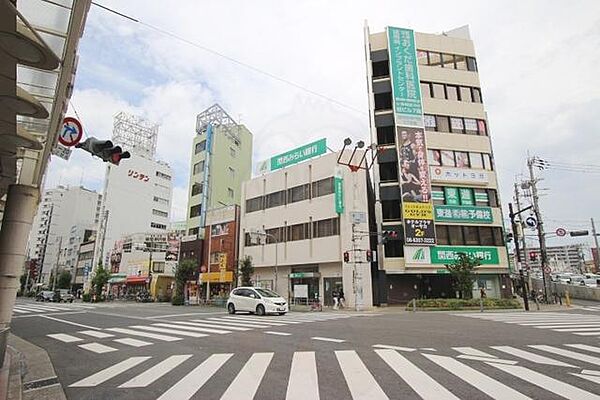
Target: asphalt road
154,351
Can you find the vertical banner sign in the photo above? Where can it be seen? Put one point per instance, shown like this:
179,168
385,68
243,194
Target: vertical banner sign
415,185
208,152
338,189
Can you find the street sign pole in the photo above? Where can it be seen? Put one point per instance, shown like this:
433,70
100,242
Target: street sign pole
512,216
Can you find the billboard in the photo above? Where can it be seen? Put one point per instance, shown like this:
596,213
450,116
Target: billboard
415,184
292,157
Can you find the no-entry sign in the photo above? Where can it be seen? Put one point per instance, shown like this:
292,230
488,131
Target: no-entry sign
71,132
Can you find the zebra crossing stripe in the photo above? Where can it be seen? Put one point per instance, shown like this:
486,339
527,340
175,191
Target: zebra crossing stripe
303,383
597,328
361,383
592,378
484,383
96,334
169,331
419,381
399,348
547,383
193,381
193,328
593,349
97,348
470,351
132,342
266,319
326,339
254,321
210,325
568,353
218,321
487,359
156,336
110,372
584,325
19,311
247,381
529,356
147,377
63,337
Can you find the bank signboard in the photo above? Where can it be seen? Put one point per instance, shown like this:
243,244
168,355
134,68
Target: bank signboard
479,215
448,254
294,156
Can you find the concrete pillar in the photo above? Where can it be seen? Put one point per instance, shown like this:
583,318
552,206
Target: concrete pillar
21,204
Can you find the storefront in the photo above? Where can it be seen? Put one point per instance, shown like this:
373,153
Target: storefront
137,284
304,284
161,287
219,284
116,285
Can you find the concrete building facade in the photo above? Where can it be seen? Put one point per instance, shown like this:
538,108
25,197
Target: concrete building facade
299,252
429,122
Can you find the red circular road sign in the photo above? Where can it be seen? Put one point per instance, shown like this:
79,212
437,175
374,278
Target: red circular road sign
561,232
203,268
547,270
71,132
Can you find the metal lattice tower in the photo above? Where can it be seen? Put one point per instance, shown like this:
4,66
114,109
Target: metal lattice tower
135,134
216,116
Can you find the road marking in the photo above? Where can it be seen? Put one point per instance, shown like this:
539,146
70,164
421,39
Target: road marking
246,383
15,309
568,326
198,314
592,378
97,334
132,342
529,356
170,331
399,348
419,381
254,321
144,334
97,348
70,323
596,329
593,349
361,383
488,359
278,333
324,339
590,372
63,337
303,383
568,353
187,386
586,333
470,351
211,325
192,328
110,372
484,383
547,383
244,324
156,372
257,318
56,313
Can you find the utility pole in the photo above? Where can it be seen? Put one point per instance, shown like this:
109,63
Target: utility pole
540,225
524,243
57,261
597,258
513,223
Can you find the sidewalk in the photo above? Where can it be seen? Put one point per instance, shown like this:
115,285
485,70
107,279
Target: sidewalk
30,375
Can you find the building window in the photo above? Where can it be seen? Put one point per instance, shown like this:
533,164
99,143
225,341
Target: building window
196,189
456,125
298,193
422,58
158,266
388,172
486,236
435,59
323,187
232,152
163,176
471,64
438,91
481,127
461,62
443,124
380,69
471,235
471,126
254,204
193,231
462,159
437,195
448,61
390,210
487,162
383,101
160,200
434,157
198,167
498,236
385,135
160,213
452,92
447,157
476,93
195,210
430,123
425,90
455,235
275,199
157,225
230,193
275,234
441,234
299,232
231,173
200,147
326,227
465,94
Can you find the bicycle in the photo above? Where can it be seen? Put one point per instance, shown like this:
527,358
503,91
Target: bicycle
315,305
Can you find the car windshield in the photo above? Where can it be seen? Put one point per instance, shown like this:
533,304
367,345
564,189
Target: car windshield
266,292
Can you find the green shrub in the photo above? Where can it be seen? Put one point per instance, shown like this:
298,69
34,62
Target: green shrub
459,304
177,300
86,297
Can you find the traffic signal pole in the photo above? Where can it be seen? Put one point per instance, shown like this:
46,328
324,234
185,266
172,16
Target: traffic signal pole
524,242
540,225
597,258
513,223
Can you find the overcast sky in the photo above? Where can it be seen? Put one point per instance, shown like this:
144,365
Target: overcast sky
538,64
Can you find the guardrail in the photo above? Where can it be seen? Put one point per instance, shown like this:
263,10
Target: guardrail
575,291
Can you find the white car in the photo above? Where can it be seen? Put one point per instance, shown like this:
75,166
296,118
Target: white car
256,300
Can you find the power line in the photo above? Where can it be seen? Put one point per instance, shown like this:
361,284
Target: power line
231,59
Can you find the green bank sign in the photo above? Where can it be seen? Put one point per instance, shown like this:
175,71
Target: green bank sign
294,156
338,188
447,255
481,215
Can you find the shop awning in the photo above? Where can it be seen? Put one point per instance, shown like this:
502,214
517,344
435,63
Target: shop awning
136,280
216,277
117,278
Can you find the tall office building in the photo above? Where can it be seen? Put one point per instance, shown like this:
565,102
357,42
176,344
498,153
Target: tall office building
221,161
435,178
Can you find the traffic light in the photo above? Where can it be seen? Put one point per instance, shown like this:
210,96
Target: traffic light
509,237
346,257
388,235
532,256
104,149
369,256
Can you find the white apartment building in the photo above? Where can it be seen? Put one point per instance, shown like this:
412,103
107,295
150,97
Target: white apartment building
307,234
60,210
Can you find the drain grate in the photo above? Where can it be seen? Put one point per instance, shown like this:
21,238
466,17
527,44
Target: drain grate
40,383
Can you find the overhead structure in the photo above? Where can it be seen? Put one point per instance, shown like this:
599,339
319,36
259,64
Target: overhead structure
215,115
136,134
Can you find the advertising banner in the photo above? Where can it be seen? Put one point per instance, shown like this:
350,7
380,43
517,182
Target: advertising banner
292,157
459,175
172,253
415,184
338,187
417,255
480,215
219,229
447,255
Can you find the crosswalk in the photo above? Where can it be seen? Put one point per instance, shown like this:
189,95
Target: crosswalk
500,372
591,308
141,335
577,324
31,308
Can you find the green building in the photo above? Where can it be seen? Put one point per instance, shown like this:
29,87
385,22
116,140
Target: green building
221,161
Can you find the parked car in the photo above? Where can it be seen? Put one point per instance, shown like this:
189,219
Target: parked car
63,295
45,295
256,300
590,282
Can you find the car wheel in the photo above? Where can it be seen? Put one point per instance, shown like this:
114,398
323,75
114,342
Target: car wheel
260,309
231,308
281,313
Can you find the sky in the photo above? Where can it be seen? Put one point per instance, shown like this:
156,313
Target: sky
538,63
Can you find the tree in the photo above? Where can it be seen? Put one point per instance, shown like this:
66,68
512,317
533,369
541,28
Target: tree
247,269
183,273
23,282
100,279
463,276
64,280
